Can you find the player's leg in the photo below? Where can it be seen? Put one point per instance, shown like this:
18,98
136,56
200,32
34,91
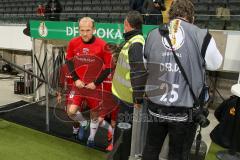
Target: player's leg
94,123
113,125
73,106
104,124
76,126
83,124
72,111
74,114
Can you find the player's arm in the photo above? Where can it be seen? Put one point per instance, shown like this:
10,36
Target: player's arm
107,58
104,74
70,65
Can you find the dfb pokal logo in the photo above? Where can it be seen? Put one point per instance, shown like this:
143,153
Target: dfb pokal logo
177,39
42,29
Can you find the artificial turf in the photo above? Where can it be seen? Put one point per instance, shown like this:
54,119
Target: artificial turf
21,143
214,148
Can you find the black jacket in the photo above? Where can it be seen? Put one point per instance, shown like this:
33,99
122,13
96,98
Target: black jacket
148,8
227,132
53,10
136,5
137,69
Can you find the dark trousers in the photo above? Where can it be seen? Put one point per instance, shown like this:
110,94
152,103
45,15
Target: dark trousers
181,136
124,115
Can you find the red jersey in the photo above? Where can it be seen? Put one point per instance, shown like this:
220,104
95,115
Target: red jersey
89,58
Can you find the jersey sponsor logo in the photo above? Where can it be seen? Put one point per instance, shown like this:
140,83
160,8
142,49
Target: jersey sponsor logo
86,59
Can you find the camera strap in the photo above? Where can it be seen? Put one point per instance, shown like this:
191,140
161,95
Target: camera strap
165,33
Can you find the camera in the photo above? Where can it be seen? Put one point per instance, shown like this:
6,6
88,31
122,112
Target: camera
161,4
200,117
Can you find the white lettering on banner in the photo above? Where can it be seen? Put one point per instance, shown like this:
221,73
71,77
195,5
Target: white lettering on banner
69,31
101,33
118,35
72,31
75,31
169,67
109,33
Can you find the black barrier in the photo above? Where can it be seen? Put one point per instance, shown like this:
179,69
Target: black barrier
4,110
24,70
118,149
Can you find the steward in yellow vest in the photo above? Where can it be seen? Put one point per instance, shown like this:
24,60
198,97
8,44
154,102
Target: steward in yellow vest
124,75
128,82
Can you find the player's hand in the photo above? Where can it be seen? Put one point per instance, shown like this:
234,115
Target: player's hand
59,97
79,83
138,106
91,86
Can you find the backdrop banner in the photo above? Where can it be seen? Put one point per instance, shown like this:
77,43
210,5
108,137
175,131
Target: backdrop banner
64,30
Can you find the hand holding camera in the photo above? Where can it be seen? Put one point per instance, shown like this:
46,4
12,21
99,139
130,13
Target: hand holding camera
200,116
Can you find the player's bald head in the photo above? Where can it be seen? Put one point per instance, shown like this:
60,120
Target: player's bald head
87,21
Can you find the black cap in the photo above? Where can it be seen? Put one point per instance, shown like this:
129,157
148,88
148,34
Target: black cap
26,31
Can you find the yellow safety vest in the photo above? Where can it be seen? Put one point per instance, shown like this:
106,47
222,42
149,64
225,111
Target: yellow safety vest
121,84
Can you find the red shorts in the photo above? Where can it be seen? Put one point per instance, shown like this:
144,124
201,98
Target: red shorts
74,98
107,86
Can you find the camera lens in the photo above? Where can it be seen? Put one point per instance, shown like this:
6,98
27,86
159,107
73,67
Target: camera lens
202,120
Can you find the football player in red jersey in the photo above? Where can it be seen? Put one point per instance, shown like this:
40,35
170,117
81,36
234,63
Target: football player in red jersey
86,56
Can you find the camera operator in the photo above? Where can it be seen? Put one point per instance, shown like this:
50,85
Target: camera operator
168,96
136,5
53,9
153,11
